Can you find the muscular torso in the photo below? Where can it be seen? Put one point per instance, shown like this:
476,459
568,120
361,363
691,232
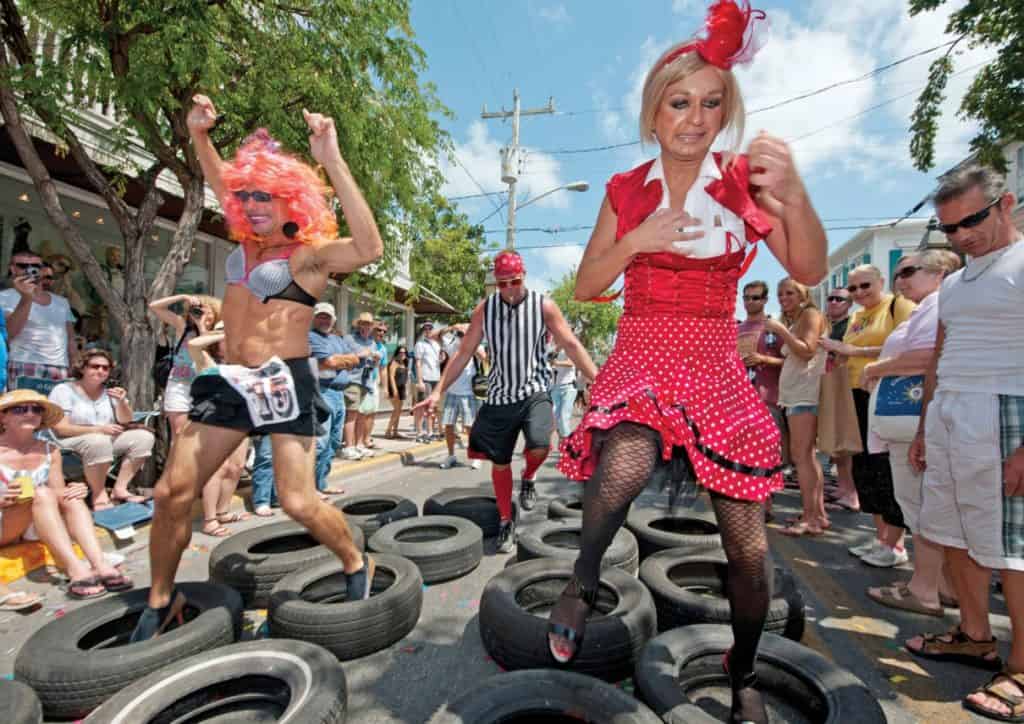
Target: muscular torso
255,331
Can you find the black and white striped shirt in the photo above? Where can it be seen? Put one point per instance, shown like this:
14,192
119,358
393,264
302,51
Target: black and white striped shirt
517,349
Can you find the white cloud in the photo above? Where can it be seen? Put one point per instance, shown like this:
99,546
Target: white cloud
547,266
830,43
555,14
480,154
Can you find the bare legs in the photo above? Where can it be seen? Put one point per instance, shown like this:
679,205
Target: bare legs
803,430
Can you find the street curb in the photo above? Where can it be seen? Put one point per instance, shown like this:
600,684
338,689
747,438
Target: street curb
404,457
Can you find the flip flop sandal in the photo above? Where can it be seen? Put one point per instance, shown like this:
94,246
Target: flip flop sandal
574,637
77,589
117,583
130,498
213,528
154,621
1014,702
359,584
28,600
264,511
798,530
232,517
961,649
901,597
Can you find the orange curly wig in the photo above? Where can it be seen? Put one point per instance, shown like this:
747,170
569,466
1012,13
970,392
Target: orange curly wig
259,164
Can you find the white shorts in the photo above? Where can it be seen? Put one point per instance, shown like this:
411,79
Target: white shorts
456,406
177,396
907,484
371,401
968,435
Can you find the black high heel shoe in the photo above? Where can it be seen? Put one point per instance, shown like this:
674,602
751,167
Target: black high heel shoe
744,697
574,589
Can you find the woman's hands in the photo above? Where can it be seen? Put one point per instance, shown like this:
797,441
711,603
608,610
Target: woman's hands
840,348
661,230
772,170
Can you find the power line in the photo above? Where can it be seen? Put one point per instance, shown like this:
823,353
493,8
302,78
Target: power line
460,164
475,196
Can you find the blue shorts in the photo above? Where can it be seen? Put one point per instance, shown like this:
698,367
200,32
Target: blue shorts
801,409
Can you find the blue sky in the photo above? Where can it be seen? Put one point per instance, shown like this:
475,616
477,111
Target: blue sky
591,56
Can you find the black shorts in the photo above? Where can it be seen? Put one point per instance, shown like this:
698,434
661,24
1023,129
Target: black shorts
215,402
497,427
872,476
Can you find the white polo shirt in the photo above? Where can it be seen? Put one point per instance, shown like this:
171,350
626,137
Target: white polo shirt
44,338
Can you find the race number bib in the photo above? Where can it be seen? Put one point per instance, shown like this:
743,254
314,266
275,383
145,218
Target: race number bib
268,391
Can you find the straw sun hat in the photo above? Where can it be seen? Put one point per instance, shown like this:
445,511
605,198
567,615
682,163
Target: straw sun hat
51,413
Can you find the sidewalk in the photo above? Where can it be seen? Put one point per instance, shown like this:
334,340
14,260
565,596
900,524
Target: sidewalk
20,559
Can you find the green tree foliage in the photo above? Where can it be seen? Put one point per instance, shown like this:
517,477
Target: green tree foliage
449,258
261,62
593,323
996,97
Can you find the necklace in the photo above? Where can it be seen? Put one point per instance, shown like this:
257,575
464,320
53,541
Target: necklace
996,256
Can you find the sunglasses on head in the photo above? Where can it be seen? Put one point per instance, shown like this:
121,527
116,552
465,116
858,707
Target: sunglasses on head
968,222
26,409
261,196
505,283
837,298
907,272
863,286
754,297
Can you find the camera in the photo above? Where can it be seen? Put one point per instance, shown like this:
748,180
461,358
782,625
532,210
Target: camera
196,311
32,271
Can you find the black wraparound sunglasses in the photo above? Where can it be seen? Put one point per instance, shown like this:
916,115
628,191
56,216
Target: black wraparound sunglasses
968,222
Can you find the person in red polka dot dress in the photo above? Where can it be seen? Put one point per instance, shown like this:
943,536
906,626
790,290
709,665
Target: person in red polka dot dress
674,396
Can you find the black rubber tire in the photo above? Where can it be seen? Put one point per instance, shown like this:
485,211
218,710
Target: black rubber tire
296,681
683,658
561,539
475,504
540,692
372,512
671,576
659,529
443,547
302,606
516,637
253,560
72,677
19,704
568,507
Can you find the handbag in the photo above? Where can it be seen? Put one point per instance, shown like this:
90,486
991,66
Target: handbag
895,407
163,366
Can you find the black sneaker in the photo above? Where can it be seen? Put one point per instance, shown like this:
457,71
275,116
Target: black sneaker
527,495
506,536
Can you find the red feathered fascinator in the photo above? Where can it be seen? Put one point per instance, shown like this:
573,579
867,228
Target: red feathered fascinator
733,33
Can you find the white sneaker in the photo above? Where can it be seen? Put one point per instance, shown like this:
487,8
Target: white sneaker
450,462
351,453
865,548
885,557
365,451
475,465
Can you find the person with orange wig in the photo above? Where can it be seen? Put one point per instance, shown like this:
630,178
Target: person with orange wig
278,210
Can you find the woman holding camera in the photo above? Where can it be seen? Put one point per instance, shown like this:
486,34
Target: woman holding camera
95,427
201,315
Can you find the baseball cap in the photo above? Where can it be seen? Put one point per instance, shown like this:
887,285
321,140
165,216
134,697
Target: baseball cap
325,308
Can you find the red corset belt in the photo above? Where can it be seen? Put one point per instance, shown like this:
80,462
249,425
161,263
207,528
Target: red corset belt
671,285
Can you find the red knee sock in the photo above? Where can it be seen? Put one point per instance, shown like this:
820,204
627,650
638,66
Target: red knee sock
533,461
502,480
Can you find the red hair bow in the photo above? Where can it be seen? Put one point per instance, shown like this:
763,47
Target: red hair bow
729,36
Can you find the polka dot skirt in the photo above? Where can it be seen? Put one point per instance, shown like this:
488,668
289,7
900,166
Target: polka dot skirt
676,375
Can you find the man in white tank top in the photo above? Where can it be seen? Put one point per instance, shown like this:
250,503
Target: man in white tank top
970,443
516,322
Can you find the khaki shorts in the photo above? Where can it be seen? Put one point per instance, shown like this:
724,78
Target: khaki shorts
354,394
968,435
96,448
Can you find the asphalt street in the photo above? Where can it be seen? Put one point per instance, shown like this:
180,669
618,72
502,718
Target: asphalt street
444,657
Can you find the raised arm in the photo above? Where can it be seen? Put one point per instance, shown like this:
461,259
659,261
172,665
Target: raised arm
201,118
197,349
161,309
798,239
365,246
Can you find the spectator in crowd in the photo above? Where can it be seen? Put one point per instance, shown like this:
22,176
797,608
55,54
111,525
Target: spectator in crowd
361,343
371,401
563,393
334,359
460,403
40,328
799,388
397,379
427,353
909,350
969,440
95,427
881,312
200,314
205,351
35,501
838,434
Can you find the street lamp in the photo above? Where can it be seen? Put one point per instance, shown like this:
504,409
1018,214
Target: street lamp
510,229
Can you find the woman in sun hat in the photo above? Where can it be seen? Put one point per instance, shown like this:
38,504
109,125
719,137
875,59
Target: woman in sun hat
33,494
